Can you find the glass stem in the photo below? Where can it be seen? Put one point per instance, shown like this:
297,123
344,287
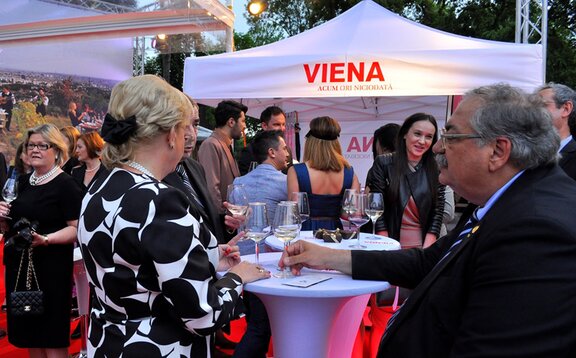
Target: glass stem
257,252
373,228
285,250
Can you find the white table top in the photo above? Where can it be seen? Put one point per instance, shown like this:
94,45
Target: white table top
339,284
381,243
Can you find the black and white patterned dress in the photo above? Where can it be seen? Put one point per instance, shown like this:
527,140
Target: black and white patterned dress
152,266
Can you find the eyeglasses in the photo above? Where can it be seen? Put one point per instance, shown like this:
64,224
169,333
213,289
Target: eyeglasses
43,146
447,137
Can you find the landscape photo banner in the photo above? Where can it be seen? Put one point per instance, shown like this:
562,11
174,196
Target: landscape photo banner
109,59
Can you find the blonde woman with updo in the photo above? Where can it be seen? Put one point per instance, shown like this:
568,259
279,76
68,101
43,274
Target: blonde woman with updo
152,263
324,175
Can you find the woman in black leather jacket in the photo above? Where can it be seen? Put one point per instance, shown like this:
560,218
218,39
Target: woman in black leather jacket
414,204
414,199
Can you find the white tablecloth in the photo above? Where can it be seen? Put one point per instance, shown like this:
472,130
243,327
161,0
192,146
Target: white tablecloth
380,243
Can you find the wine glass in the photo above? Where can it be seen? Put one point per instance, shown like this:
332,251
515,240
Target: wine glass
375,209
286,226
301,199
10,191
359,216
347,207
238,199
257,227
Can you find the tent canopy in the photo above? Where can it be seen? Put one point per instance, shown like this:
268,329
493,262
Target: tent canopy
367,51
365,67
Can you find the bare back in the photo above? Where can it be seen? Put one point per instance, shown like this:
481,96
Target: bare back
322,182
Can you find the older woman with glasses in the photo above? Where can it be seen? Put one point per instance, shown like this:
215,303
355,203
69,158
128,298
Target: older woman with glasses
51,198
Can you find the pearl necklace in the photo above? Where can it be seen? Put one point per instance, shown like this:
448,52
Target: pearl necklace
140,167
34,180
93,169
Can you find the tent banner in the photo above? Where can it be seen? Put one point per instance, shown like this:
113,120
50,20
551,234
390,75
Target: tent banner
356,142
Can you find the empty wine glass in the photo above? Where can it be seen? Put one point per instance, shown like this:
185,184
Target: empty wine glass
10,191
347,207
257,227
375,209
301,199
238,199
359,217
286,226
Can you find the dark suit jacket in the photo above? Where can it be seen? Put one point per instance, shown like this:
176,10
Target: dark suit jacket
507,291
214,221
568,159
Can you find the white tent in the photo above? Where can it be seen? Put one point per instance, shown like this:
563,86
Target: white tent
358,68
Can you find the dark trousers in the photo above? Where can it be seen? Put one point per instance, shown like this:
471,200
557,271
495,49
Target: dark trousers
254,343
8,119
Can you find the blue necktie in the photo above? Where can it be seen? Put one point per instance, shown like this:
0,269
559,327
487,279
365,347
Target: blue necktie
464,234
468,229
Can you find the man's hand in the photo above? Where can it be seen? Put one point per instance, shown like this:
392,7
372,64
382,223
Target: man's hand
233,221
304,254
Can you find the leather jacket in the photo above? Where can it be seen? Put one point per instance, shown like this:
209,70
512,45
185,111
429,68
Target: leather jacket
413,184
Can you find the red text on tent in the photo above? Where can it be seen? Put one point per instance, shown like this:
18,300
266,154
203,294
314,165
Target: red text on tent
344,72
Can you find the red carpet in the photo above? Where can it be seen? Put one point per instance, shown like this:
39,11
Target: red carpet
8,350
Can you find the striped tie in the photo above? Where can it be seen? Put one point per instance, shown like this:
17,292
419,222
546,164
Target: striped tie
182,173
469,228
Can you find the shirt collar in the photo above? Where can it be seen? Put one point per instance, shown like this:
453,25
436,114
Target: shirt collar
563,142
484,209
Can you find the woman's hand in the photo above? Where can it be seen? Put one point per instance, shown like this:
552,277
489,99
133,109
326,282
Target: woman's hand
250,272
229,253
4,210
39,239
429,240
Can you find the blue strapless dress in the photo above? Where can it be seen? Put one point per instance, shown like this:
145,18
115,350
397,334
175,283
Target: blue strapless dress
324,209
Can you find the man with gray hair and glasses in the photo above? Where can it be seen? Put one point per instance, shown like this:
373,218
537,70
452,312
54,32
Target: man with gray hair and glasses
560,100
502,283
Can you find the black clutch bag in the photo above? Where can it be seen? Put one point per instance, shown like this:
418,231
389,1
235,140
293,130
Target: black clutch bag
29,302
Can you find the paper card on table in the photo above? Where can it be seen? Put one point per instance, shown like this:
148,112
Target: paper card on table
306,281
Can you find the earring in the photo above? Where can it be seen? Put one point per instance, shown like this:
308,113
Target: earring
171,145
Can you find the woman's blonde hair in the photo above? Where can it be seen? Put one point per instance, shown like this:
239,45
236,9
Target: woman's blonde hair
72,134
322,150
157,106
52,135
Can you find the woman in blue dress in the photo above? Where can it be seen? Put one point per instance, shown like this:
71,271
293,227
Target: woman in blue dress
324,175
